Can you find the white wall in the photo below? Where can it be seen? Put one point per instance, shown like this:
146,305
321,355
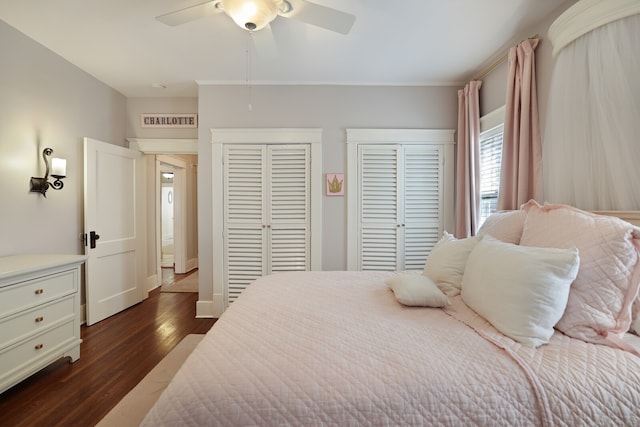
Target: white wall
332,108
47,102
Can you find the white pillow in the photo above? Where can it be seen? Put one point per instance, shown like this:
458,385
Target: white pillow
416,290
446,261
522,291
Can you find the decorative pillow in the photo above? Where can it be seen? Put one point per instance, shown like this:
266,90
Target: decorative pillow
635,315
521,291
416,290
607,283
635,326
446,261
506,226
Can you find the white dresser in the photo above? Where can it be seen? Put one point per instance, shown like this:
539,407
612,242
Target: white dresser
39,313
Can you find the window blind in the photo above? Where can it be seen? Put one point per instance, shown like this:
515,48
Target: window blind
490,161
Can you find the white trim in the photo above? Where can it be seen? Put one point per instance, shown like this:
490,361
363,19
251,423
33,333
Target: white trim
204,309
443,137
400,136
376,83
164,146
152,282
585,16
192,264
493,119
222,136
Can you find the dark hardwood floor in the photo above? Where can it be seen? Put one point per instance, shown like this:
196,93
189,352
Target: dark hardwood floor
114,356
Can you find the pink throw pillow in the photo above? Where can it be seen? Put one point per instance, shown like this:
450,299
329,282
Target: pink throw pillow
601,297
505,226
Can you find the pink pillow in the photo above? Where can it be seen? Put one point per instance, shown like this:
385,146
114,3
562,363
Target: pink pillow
600,299
506,226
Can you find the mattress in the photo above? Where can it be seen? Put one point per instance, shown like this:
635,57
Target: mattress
336,348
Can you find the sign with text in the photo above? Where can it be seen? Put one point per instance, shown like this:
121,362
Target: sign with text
169,120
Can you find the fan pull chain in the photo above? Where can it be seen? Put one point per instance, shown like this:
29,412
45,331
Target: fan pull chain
248,71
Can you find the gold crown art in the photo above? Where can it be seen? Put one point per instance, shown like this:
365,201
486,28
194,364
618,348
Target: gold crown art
335,186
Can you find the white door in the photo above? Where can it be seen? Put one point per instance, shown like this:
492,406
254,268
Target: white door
400,205
423,202
114,230
380,207
266,212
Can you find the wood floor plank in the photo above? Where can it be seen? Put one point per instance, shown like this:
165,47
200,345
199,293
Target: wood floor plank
114,356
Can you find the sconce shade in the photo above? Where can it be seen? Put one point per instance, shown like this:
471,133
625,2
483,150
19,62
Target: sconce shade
251,14
58,167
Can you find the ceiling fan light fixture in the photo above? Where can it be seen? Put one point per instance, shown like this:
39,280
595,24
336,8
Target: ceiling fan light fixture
252,15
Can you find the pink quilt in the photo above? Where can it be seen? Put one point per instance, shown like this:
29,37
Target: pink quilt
336,348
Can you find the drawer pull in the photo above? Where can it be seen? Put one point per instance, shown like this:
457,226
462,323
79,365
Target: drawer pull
39,346
39,291
39,319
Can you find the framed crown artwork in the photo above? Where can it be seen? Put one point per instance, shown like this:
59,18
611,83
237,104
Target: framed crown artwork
335,184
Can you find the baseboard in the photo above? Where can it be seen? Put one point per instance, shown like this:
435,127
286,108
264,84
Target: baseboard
83,314
192,264
152,282
204,309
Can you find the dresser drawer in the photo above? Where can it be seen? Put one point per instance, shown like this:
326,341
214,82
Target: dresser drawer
40,347
23,295
26,323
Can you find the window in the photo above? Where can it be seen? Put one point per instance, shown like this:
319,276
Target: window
491,132
490,159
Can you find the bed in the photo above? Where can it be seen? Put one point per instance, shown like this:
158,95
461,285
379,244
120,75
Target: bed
361,348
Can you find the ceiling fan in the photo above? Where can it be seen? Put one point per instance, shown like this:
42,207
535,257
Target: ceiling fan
254,15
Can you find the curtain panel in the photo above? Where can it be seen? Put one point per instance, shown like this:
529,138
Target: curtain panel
467,160
521,171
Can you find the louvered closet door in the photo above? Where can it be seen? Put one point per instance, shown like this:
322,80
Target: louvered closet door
380,224
244,216
423,202
289,208
266,212
400,205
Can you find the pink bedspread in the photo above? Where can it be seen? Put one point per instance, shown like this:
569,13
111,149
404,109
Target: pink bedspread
336,348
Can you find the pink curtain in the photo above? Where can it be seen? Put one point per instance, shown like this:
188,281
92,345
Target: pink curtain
468,160
521,170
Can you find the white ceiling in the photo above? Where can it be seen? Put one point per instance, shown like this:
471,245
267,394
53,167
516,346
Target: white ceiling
409,42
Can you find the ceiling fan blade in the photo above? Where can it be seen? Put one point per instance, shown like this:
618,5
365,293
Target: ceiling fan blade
190,13
320,16
265,43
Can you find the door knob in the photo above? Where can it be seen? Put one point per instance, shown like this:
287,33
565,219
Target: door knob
93,236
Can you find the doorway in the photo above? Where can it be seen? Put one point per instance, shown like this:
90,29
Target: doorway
167,218
181,154
171,214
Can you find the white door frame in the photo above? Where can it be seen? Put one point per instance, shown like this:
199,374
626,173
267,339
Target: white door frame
163,146
222,136
179,213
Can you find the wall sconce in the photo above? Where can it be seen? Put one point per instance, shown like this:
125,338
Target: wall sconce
58,171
